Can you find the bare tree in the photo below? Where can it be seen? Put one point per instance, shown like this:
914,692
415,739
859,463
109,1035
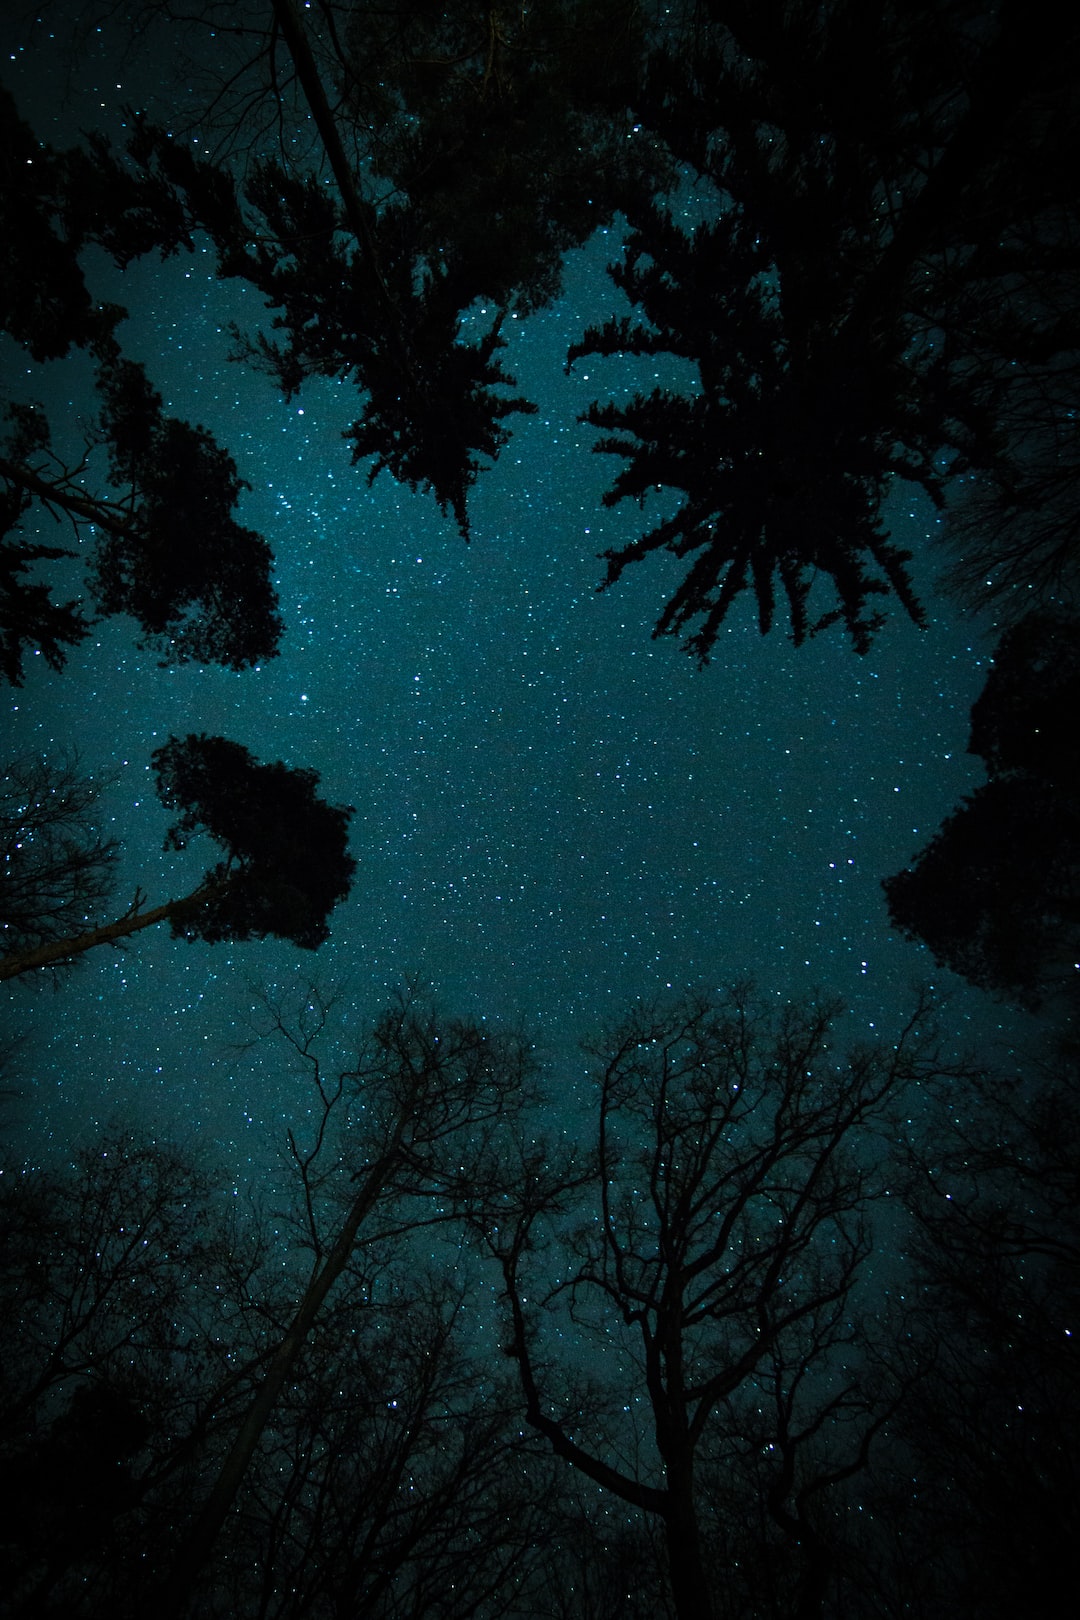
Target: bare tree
399,1144
713,1267
394,1479
127,1333
152,1360
993,1433
57,868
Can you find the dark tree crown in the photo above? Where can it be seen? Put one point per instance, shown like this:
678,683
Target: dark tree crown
781,455
197,582
286,861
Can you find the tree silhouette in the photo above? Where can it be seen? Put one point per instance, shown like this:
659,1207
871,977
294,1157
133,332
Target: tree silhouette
57,867
1008,308
29,619
510,135
995,893
115,1271
167,549
355,301
393,1479
468,152
286,863
44,301
836,221
177,562
782,455
143,1315
335,1366
713,1243
418,1103
1023,720
991,1433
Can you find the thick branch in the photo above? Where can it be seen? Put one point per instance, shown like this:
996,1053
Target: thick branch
82,507
645,1497
62,950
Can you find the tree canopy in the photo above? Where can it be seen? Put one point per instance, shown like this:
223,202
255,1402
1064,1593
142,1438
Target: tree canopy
286,863
166,548
781,456
846,227
994,894
841,218
469,152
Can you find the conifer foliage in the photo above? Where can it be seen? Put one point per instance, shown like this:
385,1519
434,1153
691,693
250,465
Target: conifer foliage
994,894
781,454
165,547
855,187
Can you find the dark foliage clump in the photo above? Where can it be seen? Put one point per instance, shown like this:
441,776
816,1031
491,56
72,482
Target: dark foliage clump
995,894
286,863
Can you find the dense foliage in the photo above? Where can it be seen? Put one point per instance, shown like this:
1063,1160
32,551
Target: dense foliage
286,863
996,893
469,1367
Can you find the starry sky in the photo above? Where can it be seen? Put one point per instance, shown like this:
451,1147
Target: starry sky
554,813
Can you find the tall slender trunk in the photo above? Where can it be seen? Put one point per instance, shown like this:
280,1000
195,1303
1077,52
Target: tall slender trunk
357,211
198,1544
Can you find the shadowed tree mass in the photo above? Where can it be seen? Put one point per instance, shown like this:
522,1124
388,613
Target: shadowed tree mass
996,893
876,282
786,1333
286,863
844,173
483,147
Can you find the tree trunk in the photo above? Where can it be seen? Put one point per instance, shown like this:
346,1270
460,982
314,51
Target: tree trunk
61,950
689,1583
198,1544
356,211
75,503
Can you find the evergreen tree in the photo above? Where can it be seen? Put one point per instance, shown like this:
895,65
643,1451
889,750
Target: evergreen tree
509,134
839,217
783,453
995,894
30,621
167,549
467,151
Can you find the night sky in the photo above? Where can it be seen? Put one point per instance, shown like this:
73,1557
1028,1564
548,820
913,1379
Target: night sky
554,813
